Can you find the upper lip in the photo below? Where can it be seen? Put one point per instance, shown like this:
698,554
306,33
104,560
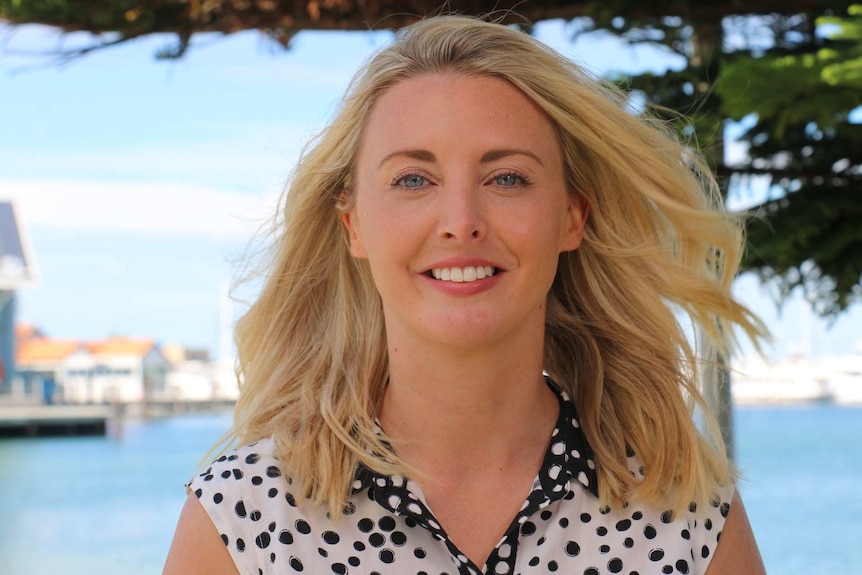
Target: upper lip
461,262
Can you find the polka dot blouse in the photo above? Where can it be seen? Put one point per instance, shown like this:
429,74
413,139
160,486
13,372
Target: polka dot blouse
389,530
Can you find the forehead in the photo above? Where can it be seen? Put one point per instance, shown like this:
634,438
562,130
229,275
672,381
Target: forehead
457,110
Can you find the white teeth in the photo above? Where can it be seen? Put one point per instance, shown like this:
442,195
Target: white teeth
462,275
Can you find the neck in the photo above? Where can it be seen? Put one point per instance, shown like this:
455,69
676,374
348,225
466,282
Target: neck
451,411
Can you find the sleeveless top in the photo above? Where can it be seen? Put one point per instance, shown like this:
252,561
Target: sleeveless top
387,529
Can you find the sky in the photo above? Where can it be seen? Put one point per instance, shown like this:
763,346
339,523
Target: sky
145,185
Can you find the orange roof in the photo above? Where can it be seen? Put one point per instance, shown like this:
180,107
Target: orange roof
42,349
25,331
121,346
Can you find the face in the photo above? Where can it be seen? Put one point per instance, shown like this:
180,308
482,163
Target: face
461,210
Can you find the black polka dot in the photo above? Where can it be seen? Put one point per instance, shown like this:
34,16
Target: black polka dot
386,523
528,528
239,509
272,492
573,549
623,525
628,543
237,474
365,525
285,537
256,480
302,527
533,561
656,554
602,531
553,566
353,561
704,551
685,534
637,515
605,549
387,556
359,545
224,539
240,545
682,566
667,569
398,538
419,553
339,568
262,540
252,459
218,498
546,514
376,540
667,517
649,531
615,565
254,516
272,471
564,522
586,517
591,571
322,552
331,537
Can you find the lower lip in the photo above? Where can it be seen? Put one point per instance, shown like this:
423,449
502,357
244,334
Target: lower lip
465,288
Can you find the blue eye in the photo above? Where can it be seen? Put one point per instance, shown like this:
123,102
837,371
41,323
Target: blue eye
508,180
411,181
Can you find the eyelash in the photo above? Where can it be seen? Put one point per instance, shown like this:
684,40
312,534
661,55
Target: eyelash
399,179
521,179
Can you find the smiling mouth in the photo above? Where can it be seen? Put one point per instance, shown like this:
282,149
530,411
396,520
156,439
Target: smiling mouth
463,275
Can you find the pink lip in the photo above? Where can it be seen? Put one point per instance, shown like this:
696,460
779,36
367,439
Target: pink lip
464,288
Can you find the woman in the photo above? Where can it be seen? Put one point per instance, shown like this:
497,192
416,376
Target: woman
466,356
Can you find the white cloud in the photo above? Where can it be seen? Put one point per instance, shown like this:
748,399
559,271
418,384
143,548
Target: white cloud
141,207
248,156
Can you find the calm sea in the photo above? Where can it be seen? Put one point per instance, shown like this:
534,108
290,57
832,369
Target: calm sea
109,505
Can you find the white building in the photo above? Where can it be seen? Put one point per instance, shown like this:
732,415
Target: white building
117,369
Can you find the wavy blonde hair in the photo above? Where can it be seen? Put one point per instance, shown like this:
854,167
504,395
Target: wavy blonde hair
312,353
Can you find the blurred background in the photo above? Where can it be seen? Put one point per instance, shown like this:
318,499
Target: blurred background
143,149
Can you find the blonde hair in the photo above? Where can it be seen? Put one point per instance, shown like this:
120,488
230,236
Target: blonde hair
312,353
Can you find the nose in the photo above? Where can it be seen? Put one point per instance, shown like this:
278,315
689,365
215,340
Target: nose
461,214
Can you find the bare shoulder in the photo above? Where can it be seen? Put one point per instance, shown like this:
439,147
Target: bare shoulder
197,548
737,552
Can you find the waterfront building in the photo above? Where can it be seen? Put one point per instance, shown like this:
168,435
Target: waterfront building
114,370
17,269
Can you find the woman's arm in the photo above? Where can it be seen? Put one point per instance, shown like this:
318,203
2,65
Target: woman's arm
737,552
197,548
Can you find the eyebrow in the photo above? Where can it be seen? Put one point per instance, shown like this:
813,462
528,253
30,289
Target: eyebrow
490,156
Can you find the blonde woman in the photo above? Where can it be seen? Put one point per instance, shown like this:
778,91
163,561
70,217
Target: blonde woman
467,356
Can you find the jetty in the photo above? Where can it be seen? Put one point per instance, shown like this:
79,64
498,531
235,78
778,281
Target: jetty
34,420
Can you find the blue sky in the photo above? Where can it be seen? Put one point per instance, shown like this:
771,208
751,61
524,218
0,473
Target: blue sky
143,182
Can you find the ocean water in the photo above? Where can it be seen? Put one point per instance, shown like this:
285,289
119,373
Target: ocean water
94,506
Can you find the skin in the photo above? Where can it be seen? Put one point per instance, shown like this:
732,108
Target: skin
459,171
454,171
